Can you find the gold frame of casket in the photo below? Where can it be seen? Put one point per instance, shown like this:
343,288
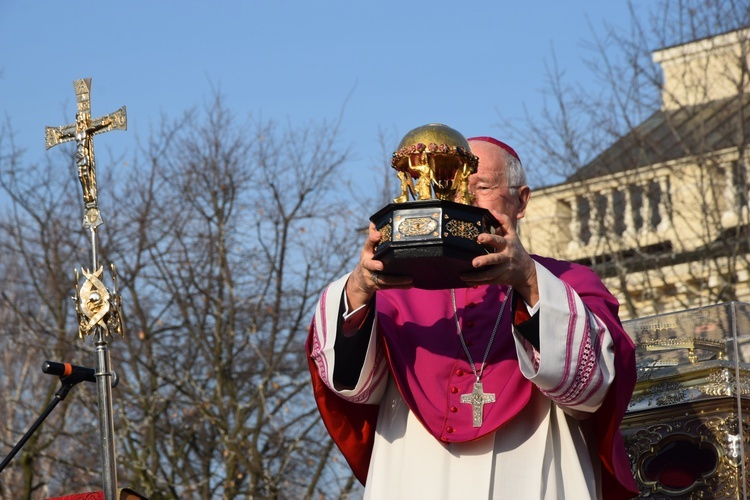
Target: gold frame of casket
687,428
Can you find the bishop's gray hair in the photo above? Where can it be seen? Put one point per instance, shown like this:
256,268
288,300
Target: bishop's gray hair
514,172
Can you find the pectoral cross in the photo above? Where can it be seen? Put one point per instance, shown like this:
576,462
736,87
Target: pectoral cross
82,131
477,400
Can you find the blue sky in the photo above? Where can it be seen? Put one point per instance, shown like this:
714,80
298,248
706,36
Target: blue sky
388,65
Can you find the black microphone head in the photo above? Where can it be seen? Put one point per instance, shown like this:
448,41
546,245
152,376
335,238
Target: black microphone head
53,368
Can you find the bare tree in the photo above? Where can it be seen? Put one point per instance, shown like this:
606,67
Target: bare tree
224,233
652,179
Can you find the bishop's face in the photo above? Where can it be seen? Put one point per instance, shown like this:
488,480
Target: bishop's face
489,184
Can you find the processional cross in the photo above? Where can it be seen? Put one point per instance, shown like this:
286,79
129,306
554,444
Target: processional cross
98,309
82,131
477,400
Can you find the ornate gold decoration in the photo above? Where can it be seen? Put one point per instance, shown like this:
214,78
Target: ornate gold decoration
440,160
722,382
407,187
385,234
417,226
462,229
707,429
691,344
95,305
663,394
82,131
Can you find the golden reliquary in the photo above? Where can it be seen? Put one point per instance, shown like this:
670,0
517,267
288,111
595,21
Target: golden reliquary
687,428
430,230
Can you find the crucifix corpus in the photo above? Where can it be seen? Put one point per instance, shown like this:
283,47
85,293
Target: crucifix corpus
82,131
98,309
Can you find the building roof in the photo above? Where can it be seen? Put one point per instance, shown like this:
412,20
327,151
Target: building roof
690,131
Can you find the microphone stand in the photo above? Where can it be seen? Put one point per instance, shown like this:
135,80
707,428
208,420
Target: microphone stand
67,384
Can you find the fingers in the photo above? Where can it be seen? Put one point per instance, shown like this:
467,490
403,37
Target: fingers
494,268
506,224
372,269
380,279
368,249
364,282
501,243
496,242
383,281
368,277
504,253
360,287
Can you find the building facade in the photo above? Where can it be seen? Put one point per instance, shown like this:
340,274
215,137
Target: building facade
662,214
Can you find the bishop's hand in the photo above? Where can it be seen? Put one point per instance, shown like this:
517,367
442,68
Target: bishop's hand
509,264
368,276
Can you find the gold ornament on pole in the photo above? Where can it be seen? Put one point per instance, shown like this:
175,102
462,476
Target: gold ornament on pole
98,309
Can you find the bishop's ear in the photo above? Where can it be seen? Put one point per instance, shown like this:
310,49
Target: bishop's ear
524,194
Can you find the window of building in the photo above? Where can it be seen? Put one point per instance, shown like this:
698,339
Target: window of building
636,206
654,202
584,214
601,202
739,177
618,211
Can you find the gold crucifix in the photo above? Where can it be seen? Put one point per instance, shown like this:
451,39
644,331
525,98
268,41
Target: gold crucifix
82,131
477,399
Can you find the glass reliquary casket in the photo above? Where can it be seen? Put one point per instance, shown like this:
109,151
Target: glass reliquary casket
688,424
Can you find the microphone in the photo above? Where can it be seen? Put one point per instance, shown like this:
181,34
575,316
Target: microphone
80,373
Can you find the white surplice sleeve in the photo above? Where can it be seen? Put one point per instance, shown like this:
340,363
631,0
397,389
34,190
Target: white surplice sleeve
574,366
373,378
